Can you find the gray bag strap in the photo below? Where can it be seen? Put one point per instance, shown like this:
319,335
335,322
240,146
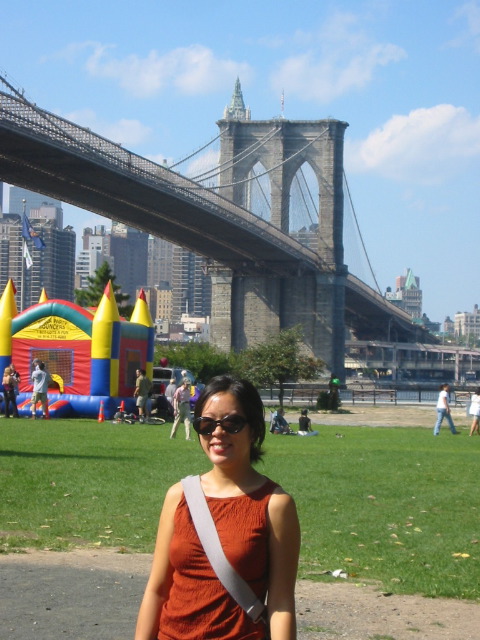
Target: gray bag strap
207,532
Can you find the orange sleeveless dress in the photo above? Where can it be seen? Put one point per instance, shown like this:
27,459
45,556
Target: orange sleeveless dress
198,606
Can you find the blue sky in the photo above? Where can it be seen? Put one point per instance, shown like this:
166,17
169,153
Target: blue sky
404,74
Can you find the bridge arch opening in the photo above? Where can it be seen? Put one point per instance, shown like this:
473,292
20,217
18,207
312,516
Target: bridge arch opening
304,204
258,192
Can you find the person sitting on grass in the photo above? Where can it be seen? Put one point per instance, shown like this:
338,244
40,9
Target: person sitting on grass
279,426
305,425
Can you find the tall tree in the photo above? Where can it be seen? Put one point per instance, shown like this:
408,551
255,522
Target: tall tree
203,359
279,360
91,296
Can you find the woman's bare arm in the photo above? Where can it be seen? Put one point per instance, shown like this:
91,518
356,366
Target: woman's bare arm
160,580
284,549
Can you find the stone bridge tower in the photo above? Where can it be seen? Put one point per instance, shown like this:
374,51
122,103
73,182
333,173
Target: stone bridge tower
247,309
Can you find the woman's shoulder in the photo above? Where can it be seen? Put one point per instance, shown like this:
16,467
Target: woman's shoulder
282,509
279,497
174,495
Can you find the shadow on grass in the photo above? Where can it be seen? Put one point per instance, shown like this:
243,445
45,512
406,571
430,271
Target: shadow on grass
28,454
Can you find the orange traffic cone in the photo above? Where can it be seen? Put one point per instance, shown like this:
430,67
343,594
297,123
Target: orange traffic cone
122,406
101,414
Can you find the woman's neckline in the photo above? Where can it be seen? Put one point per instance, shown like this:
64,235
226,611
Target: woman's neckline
241,495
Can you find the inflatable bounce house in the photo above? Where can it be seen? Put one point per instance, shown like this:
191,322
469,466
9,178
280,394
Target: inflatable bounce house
91,354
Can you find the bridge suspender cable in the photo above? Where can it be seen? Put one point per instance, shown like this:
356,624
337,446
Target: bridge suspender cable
302,193
260,188
232,184
236,159
197,151
360,233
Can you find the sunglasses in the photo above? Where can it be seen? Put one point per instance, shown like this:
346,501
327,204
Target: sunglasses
230,424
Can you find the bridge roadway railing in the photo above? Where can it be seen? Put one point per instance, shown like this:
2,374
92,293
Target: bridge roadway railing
36,121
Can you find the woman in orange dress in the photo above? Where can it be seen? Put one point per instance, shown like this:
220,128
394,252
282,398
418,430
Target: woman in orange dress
257,525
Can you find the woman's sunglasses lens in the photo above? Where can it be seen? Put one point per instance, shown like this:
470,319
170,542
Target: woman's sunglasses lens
233,424
206,426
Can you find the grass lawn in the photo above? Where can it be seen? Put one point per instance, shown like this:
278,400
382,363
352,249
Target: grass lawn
394,505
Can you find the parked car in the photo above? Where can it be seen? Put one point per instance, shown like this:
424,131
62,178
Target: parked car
163,375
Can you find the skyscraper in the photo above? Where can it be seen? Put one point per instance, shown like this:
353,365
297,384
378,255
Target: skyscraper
53,268
160,262
191,286
32,201
407,294
129,248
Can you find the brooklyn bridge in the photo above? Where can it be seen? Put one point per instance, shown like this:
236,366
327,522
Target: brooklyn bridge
266,274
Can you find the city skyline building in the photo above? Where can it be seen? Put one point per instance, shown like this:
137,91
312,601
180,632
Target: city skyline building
33,200
236,109
467,324
47,212
86,263
160,261
159,301
407,294
52,268
129,249
191,286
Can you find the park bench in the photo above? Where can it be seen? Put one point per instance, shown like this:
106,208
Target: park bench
301,395
374,395
462,398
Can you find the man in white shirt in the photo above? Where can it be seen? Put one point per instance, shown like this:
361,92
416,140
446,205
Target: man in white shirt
40,378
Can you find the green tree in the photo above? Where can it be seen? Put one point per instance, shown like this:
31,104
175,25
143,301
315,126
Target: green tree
203,359
91,296
277,361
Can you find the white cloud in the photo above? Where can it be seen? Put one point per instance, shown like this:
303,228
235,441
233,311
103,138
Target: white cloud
125,132
338,59
71,52
191,70
424,146
470,11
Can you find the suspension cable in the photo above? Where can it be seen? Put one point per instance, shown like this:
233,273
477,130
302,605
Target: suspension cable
303,194
360,233
231,162
262,191
197,151
232,184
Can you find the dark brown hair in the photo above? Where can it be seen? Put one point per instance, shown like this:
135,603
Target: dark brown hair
250,401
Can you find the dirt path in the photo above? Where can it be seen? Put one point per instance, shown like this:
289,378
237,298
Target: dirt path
385,415
95,595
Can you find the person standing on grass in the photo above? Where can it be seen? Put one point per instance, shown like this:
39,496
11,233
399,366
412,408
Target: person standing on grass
257,525
40,378
9,396
443,410
143,387
16,379
170,390
475,412
181,409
